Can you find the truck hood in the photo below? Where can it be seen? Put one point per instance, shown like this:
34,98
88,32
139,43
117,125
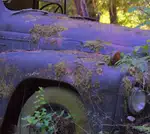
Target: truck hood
110,37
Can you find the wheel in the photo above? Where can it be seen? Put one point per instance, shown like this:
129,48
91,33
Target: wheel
58,99
58,6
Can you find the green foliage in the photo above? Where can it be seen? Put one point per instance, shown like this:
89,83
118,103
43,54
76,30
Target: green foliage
144,14
132,18
143,129
125,18
129,61
139,63
40,98
41,120
133,60
145,48
137,67
132,9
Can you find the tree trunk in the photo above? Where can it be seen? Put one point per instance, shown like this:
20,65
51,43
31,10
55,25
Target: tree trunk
81,8
113,11
91,8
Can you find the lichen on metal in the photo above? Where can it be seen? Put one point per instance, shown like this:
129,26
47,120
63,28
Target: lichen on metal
127,85
107,59
6,88
45,31
93,57
99,70
6,85
60,69
96,45
82,77
99,59
142,78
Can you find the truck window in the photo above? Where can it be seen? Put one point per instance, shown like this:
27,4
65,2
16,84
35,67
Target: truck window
24,4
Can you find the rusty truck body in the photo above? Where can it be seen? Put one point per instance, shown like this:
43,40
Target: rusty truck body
70,55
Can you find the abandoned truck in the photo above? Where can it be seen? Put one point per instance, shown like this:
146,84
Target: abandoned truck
72,59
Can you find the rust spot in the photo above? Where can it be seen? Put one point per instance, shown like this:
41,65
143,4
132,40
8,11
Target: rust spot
116,57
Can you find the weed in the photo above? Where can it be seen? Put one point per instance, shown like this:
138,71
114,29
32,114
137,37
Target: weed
42,121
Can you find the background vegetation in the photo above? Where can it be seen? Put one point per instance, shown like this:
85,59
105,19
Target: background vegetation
112,11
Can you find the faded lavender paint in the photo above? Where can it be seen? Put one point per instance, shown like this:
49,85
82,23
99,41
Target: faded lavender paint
20,58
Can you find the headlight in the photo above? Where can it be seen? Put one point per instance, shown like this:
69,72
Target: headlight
137,100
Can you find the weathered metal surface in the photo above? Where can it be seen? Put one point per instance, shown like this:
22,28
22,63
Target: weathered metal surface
19,65
120,38
56,47
87,73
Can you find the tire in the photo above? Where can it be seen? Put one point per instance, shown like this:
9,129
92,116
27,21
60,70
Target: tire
59,96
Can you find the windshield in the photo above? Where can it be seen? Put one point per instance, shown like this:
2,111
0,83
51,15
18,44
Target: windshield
70,8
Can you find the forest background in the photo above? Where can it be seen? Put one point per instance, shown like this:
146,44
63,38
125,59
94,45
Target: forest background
120,12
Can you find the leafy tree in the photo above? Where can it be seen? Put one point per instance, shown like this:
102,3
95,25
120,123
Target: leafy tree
143,12
112,11
121,14
92,9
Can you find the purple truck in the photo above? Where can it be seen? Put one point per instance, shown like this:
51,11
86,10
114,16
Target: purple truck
70,58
